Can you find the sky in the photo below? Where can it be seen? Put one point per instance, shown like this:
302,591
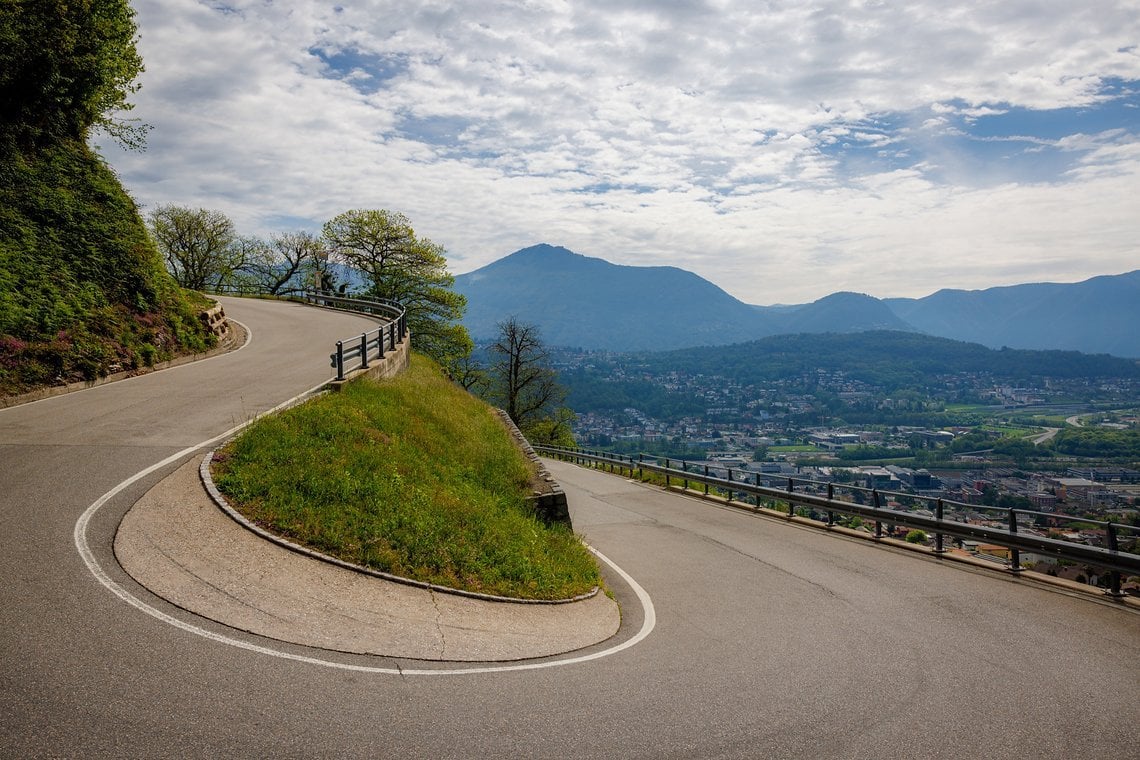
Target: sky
782,150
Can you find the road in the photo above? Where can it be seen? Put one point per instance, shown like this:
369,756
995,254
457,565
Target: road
1048,435
770,641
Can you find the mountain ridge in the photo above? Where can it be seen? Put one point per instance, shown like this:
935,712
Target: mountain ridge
588,302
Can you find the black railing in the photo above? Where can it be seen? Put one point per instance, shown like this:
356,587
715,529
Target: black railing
357,351
822,496
351,353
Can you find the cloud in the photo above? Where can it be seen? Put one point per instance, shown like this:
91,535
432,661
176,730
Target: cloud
783,151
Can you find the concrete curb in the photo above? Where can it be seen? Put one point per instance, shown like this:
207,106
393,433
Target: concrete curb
236,338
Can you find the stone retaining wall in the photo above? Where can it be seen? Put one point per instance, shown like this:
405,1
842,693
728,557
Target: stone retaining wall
215,321
548,498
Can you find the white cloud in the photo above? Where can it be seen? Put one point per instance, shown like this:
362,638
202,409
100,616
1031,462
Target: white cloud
778,152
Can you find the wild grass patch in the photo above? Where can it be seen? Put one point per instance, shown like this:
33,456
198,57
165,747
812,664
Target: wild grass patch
411,476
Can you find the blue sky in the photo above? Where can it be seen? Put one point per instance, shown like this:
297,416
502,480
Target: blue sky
783,150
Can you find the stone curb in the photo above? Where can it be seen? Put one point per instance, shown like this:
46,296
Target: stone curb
551,505
220,500
235,339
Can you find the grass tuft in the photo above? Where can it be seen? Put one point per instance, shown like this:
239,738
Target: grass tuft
410,476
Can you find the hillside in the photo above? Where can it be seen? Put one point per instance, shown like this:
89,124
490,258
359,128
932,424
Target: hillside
582,301
1098,315
588,302
83,291
889,361
579,301
889,358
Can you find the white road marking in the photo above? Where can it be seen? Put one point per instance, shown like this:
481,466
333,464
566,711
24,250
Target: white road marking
80,536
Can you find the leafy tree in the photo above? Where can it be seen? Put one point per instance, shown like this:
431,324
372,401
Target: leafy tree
555,430
199,245
66,67
411,270
521,379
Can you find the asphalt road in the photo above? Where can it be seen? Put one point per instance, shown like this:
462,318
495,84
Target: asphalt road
770,640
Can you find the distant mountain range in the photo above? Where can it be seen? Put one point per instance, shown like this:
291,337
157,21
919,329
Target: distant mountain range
579,301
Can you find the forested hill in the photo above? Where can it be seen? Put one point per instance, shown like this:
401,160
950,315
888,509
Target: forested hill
884,358
83,291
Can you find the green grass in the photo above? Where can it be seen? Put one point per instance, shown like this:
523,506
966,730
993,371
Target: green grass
411,476
83,291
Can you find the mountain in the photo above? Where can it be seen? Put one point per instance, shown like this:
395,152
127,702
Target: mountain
840,313
1098,315
581,301
587,302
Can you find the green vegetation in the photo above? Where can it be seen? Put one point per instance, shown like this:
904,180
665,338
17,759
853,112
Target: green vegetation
411,476
916,536
82,289
407,268
1099,442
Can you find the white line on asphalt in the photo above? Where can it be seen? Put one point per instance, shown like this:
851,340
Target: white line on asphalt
80,535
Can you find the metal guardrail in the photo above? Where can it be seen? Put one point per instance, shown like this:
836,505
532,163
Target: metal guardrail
369,344
1113,560
354,352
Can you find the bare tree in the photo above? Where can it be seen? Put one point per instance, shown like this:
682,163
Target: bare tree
280,264
522,381
198,245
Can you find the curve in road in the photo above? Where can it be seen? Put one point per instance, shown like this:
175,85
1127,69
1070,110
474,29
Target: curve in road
770,640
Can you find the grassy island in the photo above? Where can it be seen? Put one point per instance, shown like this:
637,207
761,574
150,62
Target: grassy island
410,476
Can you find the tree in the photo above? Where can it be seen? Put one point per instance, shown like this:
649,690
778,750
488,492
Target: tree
411,270
198,245
521,379
66,67
284,263
555,430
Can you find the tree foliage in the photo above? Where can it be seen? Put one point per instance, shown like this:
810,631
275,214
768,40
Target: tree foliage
83,292
1099,442
403,267
66,67
198,245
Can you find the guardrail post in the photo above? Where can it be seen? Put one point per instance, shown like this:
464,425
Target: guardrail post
706,480
1113,575
830,497
875,504
391,334
364,350
640,459
667,472
1014,554
729,485
938,548
340,360
380,341
758,495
